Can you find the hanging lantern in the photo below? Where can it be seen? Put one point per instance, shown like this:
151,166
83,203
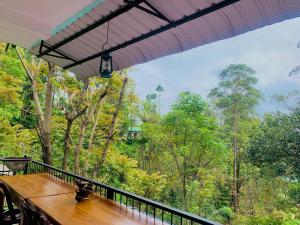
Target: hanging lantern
106,67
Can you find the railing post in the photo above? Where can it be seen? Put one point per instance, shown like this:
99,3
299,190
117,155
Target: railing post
26,169
117,194
110,194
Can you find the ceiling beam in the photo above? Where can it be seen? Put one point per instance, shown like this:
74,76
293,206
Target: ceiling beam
59,54
162,29
103,20
153,11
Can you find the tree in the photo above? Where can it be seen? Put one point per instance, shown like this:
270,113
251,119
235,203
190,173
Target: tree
33,69
72,100
14,140
276,144
10,95
95,103
12,86
111,130
289,101
236,98
148,112
183,158
159,89
190,140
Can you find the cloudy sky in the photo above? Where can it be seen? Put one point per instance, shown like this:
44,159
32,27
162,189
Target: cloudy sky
271,51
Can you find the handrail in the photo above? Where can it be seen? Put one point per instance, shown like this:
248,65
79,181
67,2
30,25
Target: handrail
112,191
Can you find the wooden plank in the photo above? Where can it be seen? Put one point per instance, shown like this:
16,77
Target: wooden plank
94,211
35,185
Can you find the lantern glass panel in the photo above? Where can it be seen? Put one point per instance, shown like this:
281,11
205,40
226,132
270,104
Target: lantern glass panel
106,66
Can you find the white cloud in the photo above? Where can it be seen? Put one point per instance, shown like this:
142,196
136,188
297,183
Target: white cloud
271,51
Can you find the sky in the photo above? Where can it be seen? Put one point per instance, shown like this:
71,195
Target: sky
271,51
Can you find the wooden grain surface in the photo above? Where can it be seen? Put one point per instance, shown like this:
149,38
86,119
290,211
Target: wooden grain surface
57,200
93,211
35,185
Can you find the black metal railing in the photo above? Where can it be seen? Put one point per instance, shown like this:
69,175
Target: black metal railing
4,170
150,208
14,165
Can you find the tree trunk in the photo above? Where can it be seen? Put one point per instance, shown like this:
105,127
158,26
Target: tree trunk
71,117
46,124
111,128
184,185
79,146
67,144
92,135
84,124
44,116
235,161
90,143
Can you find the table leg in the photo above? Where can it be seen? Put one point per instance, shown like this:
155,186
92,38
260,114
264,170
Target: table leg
1,207
1,201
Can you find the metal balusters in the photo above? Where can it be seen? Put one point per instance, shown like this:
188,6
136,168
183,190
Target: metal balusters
166,214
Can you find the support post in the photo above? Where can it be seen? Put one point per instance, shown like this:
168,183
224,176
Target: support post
110,194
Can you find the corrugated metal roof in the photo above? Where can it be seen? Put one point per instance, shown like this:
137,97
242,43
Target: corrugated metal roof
24,22
235,19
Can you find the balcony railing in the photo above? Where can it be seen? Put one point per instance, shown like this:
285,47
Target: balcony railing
156,210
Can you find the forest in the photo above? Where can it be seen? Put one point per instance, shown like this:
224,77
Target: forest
213,156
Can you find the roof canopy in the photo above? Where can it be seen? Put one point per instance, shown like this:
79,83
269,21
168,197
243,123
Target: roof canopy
24,22
73,32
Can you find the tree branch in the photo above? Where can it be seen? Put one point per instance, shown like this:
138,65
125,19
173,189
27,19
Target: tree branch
29,75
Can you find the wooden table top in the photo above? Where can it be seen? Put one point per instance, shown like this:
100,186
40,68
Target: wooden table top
35,185
94,211
57,200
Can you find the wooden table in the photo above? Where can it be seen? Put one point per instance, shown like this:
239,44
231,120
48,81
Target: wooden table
57,201
94,211
35,185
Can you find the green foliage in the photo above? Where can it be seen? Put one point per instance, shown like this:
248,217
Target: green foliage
275,143
184,143
183,157
148,112
273,218
14,141
236,94
123,172
225,214
294,192
10,85
235,98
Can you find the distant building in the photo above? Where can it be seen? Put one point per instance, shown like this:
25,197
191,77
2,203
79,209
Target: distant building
134,133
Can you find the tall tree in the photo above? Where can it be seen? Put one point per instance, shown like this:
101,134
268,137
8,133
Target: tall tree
148,112
72,100
276,143
33,69
159,89
111,129
187,137
236,98
94,103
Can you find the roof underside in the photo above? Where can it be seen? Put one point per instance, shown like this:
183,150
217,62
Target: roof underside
24,22
137,36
